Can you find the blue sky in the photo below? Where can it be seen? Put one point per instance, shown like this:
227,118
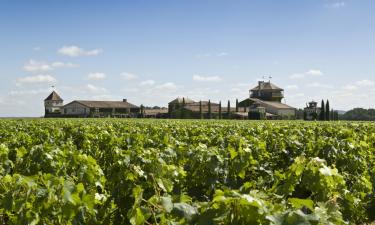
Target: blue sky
153,51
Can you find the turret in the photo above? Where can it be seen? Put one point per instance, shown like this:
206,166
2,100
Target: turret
267,91
53,104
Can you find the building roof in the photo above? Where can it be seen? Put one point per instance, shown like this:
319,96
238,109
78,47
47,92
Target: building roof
266,86
53,97
181,99
273,104
105,104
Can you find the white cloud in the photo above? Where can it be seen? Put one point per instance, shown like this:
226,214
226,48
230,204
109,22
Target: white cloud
366,83
207,55
336,4
350,87
168,86
147,83
42,66
62,64
319,85
18,93
200,78
203,55
317,73
128,76
292,87
37,66
96,76
95,89
37,48
37,79
222,54
75,51
297,76
310,73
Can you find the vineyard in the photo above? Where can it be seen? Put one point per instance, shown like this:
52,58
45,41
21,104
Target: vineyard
186,172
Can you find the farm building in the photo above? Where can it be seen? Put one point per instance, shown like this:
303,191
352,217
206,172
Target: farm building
188,108
82,108
265,99
53,105
312,111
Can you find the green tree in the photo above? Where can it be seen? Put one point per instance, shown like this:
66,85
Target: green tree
209,109
220,116
142,111
200,110
237,105
327,117
183,109
322,114
228,109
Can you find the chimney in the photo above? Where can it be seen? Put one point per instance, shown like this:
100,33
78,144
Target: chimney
124,100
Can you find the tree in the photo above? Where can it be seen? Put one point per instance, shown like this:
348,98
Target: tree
322,114
332,115
209,109
359,114
220,116
237,105
183,109
327,117
142,111
200,110
228,109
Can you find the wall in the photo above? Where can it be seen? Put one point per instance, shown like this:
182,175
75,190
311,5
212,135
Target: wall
75,109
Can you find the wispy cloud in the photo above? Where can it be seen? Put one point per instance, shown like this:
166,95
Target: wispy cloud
336,5
350,87
292,87
128,76
75,51
94,89
309,73
147,83
207,54
167,86
36,79
201,78
320,85
96,76
366,83
42,66
222,54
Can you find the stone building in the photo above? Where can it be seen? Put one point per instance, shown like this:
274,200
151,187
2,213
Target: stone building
81,108
312,111
53,105
267,97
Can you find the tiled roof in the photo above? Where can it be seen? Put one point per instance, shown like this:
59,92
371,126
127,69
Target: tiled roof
277,105
266,86
181,99
53,97
106,104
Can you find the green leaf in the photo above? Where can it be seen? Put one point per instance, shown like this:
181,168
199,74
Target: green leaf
300,203
185,210
138,217
167,204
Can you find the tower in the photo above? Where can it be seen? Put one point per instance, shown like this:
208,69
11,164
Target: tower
53,104
267,91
